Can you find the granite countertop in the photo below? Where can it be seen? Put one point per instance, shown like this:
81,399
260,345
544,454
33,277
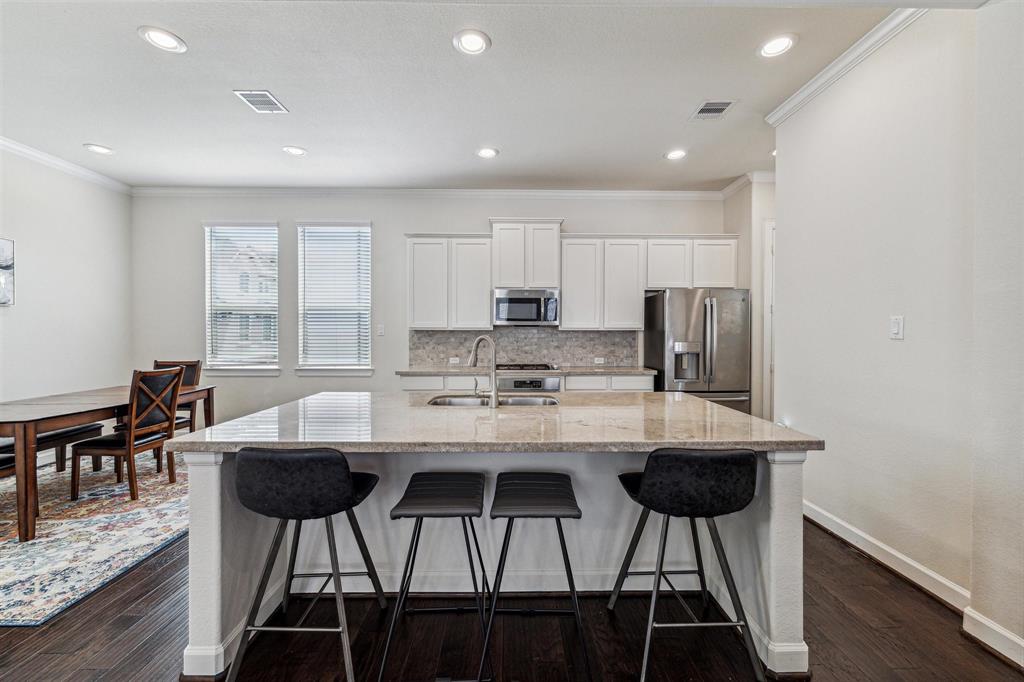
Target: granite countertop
456,370
583,421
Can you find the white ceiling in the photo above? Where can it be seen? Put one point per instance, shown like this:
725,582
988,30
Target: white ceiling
574,96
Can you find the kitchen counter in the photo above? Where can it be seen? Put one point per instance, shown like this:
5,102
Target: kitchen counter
460,370
582,422
591,435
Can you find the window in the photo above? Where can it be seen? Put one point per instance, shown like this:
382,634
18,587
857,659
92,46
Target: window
241,296
334,295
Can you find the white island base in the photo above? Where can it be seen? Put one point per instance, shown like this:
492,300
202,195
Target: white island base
228,543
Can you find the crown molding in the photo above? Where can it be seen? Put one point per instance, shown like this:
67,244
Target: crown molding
81,172
761,176
736,185
885,31
647,195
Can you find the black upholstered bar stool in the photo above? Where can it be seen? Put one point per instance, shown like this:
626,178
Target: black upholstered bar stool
439,495
534,495
300,485
693,484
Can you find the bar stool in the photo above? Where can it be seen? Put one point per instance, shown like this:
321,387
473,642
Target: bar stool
439,495
534,495
300,485
693,484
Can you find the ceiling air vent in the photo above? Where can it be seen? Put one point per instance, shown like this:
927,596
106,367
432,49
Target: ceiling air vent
710,111
261,101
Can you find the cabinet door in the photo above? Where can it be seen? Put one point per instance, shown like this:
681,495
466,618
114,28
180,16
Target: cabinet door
714,263
669,263
509,255
427,273
542,254
470,283
624,283
581,284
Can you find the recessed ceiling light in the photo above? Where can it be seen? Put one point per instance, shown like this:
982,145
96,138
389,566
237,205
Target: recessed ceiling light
98,149
675,154
471,41
487,153
778,45
294,151
162,38
774,152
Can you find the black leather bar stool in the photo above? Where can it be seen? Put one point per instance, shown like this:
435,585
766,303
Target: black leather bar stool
439,495
693,484
534,495
301,485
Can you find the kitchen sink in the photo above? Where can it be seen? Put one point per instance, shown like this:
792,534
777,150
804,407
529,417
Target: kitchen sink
484,401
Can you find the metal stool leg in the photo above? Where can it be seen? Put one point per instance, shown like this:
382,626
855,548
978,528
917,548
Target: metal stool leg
480,556
254,609
494,600
654,594
291,567
367,559
400,598
700,563
734,595
339,600
572,593
627,560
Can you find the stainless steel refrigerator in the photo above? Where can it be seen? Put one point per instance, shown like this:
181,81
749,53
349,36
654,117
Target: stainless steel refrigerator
698,340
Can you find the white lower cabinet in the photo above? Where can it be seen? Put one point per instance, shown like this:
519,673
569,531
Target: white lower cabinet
452,382
618,382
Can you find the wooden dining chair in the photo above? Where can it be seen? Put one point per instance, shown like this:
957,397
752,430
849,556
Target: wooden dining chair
193,369
148,424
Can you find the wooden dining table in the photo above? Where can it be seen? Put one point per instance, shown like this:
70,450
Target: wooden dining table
25,419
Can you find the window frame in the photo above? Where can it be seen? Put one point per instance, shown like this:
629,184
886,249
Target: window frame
210,366
313,369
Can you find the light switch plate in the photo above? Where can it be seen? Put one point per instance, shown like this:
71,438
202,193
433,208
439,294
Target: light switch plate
896,327
380,330
598,361
454,361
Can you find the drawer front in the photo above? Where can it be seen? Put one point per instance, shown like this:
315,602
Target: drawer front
421,383
633,383
465,383
585,382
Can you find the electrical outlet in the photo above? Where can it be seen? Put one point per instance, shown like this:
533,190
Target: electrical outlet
380,330
896,327
454,361
598,361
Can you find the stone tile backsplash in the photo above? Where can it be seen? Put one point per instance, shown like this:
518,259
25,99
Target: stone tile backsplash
526,344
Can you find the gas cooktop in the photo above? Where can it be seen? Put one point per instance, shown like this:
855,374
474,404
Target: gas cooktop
527,366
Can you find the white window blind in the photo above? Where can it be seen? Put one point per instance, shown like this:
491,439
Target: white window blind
334,295
241,296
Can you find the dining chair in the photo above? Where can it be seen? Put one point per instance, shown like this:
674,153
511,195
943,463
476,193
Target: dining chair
148,424
189,379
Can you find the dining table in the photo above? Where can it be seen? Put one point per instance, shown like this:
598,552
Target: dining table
26,418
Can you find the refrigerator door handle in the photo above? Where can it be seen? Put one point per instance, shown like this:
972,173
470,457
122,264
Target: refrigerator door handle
714,338
706,351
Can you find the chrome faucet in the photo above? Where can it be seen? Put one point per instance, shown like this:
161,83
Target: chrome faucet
473,357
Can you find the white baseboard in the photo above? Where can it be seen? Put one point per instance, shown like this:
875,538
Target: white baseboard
948,591
994,635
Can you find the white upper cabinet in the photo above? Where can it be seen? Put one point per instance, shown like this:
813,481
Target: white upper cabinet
715,262
624,279
509,255
582,283
526,255
543,243
669,263
427,273
470,284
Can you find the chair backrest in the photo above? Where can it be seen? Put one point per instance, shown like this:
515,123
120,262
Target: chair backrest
698,483
294,484
193,370
153,401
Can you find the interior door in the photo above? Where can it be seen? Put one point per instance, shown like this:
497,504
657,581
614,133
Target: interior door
730,340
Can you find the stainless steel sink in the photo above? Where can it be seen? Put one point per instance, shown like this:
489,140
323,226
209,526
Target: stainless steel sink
484,401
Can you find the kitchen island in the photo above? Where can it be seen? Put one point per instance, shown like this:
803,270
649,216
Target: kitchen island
591,435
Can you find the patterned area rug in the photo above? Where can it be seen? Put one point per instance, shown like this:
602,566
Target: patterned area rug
81,546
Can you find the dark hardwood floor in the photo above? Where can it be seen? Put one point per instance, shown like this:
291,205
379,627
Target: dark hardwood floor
862,623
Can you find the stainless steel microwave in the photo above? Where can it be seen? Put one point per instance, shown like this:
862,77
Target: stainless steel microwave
526,307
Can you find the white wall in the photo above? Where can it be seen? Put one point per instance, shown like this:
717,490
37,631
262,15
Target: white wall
168,245
874,185
70,328
996,614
